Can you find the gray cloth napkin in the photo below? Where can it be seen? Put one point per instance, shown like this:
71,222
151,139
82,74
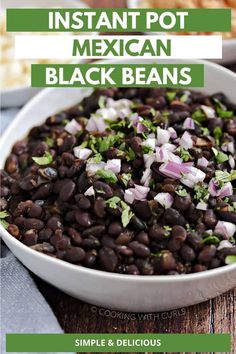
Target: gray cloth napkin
23,308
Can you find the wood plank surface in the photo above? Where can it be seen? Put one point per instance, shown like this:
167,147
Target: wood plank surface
215,316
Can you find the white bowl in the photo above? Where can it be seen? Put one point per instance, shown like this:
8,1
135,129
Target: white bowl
116,291
228,48
17,96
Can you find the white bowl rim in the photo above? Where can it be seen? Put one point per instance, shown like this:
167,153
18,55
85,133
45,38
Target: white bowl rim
95,272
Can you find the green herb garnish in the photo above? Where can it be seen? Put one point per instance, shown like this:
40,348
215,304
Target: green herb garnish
125,178
211,240
101,101
127,214
184,154
181,192
222,110
130,154
49,141
107,175
4,214
170,96
46,159
112,202
217,133
220,156
224,177
199,116
201,193
184,97
230,259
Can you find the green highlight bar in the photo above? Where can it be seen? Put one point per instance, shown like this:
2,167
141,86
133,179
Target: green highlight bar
117,75
111,343
197,20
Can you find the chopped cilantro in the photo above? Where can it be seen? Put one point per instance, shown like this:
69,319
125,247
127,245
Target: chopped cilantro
211,240
3,215
153,112
201,193
217,133
147,149
224,177
220,156
107,175
46,159
199,116
130,154
222,110
125,178
101,101
230,259
184,98
96,158
184,154
181,192
112,202
49,141
127,214
205,131
170,96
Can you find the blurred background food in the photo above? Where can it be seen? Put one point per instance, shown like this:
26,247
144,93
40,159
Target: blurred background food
193,4
16,72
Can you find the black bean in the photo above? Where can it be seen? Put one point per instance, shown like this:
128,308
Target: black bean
187,253
143,238
124,238
67,191
137,223
115,228
90,258
33,223
42,192
60,241
103,188
210,219
14,230
157,232
167,261
108,259
30,237
124,250
20,147
195,240
132,269
43,247
182,203
91,242
108,241
179,233
45,234
140,249
97,230
11,165
54,223
143,210
229,216
34,211
75,236
83,202
83,218
173,217
206,255
48,173
99,208
144,266
74,254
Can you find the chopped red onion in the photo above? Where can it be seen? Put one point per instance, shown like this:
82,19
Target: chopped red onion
96,124
73,127
224,244
141,192
228,147
146,177
193,177
149,159
92,167
82,153
164,155
163,136
135,119
141,128
225,228
202,206
150,142
189,124
169,147
172,132
216,191
186,141
232,162
113,165
90,192
165,199
122,106
129,195
202,162
209,111
174,170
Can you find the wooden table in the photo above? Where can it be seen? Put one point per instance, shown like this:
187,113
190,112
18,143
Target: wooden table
214,316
